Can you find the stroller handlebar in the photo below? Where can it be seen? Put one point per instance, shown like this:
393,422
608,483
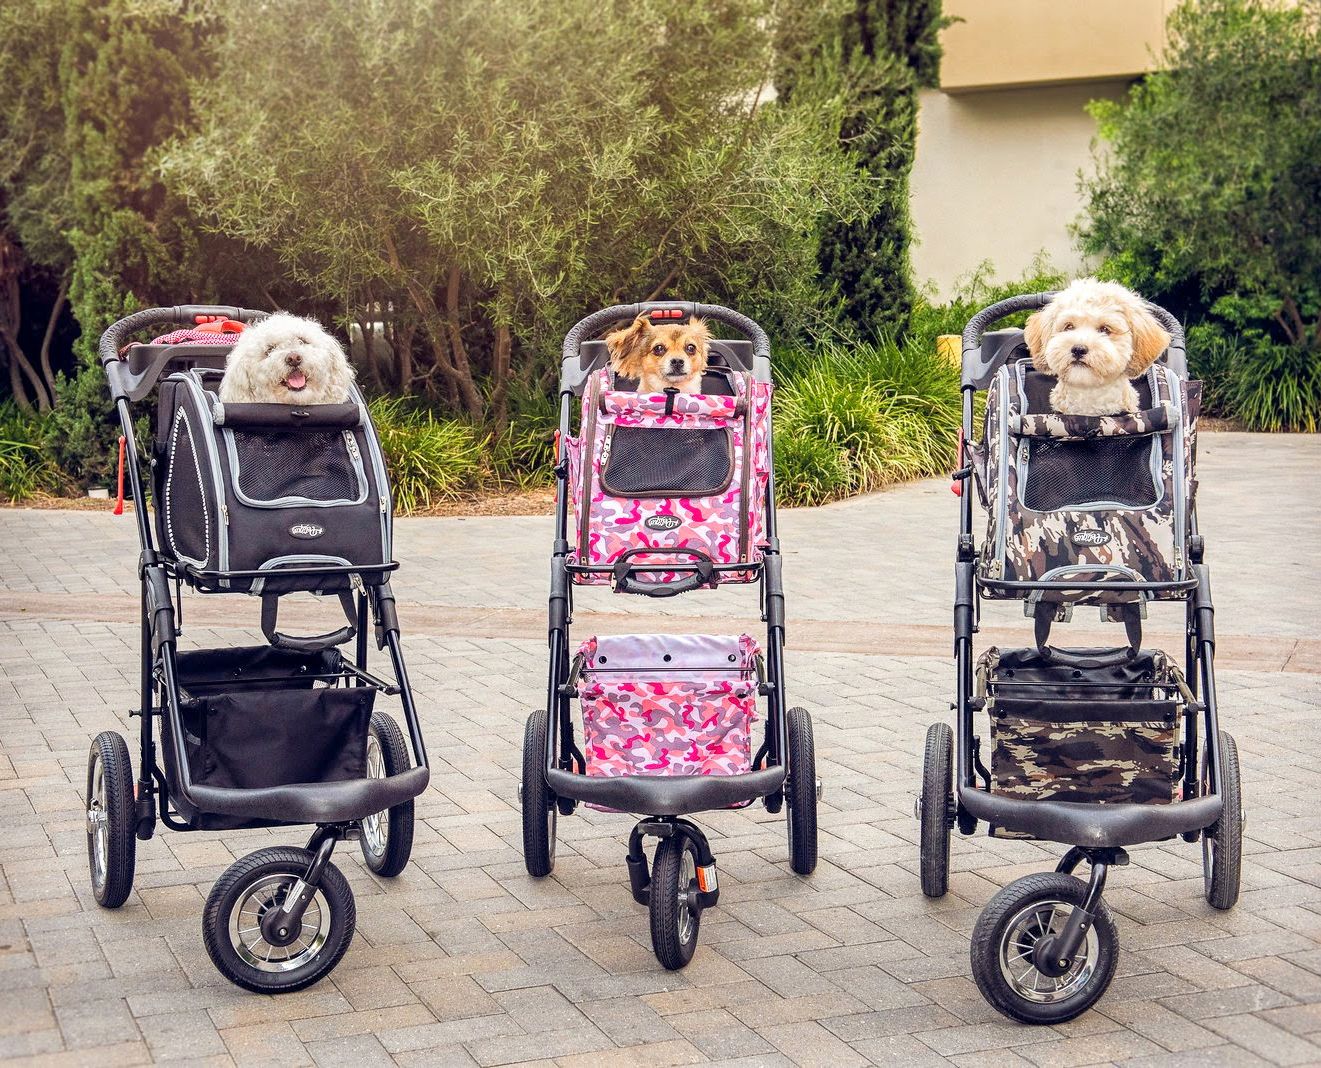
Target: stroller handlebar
587,328
977,370
112,339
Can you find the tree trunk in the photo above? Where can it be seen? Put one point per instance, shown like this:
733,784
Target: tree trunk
46,373
19,362
504,344
468,392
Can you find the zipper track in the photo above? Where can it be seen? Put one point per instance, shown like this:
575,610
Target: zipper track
1002,505
662,493
587,454
744,507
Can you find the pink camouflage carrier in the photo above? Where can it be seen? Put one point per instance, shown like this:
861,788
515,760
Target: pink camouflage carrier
670,472
657,495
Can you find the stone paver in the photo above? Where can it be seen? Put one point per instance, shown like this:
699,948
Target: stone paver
465,960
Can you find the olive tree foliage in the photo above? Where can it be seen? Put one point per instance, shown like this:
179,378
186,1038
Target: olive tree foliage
1209,173
479,174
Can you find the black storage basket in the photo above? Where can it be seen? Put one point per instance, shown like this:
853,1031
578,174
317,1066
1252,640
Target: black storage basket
256,717
1093,734
268,487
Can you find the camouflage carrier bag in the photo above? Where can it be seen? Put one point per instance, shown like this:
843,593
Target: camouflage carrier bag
1085,497
1103,733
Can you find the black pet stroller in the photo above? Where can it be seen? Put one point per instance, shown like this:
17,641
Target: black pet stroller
669,493
1096,748
266,500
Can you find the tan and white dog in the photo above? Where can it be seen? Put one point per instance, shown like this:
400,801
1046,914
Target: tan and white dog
671,356
286,360
1094,337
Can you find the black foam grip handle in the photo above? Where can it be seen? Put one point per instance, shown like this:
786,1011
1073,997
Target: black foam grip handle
587,328
113,338
972,333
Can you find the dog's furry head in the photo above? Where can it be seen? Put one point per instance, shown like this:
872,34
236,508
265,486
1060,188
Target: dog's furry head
1093,337
286,360
672,356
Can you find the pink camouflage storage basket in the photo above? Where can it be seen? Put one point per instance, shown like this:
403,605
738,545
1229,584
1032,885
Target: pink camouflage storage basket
678,471
666,704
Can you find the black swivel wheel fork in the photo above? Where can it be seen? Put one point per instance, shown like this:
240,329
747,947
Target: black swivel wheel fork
281,926
1054,954
679,886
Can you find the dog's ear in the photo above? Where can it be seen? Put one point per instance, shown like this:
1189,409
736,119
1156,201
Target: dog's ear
1039,326
698,331
629,345
1150,339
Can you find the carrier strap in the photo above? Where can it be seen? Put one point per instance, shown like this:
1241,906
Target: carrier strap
315,643
1043,615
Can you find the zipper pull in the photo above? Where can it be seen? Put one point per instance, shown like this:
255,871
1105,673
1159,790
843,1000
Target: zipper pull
605,447
224,513
351,443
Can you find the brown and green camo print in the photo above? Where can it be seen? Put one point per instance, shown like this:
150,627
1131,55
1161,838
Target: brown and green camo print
1122,485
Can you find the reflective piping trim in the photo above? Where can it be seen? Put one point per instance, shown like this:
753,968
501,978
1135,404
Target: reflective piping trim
181,416
382,479
275,562
350,447
1180,491
222,527
1002,505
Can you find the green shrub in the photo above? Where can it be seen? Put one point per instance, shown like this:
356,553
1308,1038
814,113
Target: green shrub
428,459
1275,387
26,469
522,455
850,419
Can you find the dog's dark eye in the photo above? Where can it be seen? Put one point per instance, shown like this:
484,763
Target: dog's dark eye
1068,326
658,350
1103,329
690,348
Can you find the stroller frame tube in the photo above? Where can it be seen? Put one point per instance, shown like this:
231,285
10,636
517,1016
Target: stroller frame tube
1089,825
159,631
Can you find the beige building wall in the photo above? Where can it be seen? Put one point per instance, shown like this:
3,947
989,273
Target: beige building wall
1001,143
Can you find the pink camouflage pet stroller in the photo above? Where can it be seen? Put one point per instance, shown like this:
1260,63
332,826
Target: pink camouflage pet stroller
659,495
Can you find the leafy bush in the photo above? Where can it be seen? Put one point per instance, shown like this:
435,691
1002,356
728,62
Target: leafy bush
522,455
1274,387
850,419
428,459
26,469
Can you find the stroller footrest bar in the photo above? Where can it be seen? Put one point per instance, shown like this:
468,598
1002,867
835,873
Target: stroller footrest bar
665,795
331,802
1092,826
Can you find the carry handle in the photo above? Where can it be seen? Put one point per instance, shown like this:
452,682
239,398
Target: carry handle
666,311
315,643
702,568
1044,615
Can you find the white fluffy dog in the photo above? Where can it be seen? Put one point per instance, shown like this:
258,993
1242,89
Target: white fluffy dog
1094,337
286,360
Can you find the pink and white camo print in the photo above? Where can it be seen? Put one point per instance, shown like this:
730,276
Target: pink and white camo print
666,704
713,524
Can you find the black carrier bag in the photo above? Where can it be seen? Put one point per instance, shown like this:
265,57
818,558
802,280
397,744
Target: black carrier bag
256,717
260,487
1080,732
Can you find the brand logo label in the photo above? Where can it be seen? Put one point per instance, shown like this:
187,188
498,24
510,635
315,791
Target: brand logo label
306,531
1090,537
662,522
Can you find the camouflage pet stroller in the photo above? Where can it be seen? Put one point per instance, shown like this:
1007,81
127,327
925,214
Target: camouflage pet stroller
1095,748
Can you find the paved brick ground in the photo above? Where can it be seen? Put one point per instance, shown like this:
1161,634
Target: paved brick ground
464,959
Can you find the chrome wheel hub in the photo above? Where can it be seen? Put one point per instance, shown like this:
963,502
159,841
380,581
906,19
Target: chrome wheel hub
257,899
1025,930
376,827
687,890
98,824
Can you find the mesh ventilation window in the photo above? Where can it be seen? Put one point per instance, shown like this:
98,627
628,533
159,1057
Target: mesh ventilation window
1072,474
314,465
655,462
187,521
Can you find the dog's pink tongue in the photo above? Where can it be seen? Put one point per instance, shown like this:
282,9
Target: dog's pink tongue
297,380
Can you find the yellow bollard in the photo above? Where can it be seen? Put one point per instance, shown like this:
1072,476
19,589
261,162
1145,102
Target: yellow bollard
949,347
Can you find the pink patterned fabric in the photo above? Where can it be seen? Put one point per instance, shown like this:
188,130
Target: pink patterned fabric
728,526
665,704
195,337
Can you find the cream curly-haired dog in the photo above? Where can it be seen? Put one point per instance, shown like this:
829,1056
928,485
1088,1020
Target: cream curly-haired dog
1094,337
286,360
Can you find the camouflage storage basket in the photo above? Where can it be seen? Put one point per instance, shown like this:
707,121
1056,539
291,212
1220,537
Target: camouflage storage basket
1085,497
1095,734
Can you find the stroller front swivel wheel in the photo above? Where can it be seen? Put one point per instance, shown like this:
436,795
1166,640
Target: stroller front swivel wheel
236,938
387,836
539,808
111,845
675,902
936,807
1222,844
1008,971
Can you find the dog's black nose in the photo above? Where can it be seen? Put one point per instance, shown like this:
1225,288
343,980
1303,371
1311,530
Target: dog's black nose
1079,351
294,359
676,367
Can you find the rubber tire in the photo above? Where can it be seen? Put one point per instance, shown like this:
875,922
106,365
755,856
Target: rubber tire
280,860
800,795
671,950
990,929
540,812
399,820
121,846
937,803
1221,877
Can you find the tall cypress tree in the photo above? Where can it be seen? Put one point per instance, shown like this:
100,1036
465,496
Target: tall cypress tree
878,53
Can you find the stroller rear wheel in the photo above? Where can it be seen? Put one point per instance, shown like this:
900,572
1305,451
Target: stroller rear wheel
802,792
111,845
936,808
676,911
1008,974
387,836
1222,844
243,896
539,809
